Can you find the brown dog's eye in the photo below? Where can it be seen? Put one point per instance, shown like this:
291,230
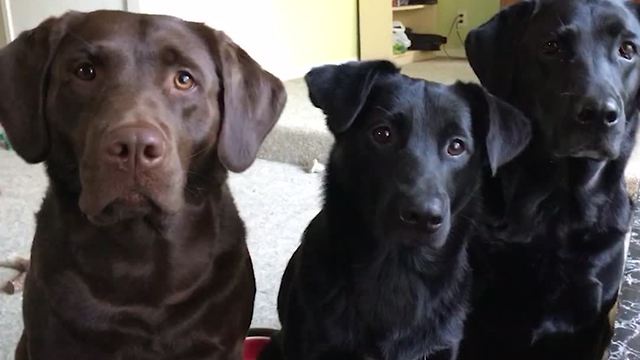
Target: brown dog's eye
382,135
456,147
86,72
551,47
627,50
184,81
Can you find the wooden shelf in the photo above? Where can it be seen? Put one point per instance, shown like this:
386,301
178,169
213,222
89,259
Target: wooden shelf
408,7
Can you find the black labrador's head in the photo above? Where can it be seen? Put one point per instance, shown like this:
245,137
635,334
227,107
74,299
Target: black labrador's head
570,65
409,153
134,113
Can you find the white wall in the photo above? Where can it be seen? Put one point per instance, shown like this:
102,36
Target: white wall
27,14
287,37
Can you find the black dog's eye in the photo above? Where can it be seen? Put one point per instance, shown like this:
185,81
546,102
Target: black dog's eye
382,135
456,147
184,80
628,50
551,47
86,72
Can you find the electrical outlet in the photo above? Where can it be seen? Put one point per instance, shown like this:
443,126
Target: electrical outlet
462,18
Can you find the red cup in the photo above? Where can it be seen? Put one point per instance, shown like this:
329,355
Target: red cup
253,346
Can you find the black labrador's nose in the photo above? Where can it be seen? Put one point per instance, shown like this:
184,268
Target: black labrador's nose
139,147
428,215
593,111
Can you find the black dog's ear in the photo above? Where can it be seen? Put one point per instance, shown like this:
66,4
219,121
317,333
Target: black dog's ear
340,91
492,48
24,70
505,129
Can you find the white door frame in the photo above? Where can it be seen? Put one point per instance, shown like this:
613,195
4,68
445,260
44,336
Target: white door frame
7,21
131,5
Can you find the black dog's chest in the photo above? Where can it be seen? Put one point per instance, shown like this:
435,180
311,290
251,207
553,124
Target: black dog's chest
521,282
402,317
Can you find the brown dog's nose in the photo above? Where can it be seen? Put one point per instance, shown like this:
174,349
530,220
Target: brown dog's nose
593,112
136,146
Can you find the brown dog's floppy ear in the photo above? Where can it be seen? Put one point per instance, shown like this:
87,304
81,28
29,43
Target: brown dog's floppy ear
24,68
340,91
492,49
506,130
252,101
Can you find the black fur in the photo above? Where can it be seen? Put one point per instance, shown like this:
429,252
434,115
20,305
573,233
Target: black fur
548,272
369,281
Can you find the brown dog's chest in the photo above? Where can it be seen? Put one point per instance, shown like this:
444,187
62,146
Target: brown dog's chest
132,291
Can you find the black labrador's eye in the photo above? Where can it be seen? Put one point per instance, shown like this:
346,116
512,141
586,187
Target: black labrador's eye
456,147
382,135
627,50
551,47
86,72
184,80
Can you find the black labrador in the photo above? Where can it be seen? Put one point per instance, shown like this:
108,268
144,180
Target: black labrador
139,252
549,268
381,272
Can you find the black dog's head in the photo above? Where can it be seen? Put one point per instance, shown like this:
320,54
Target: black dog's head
134,113
409,152
571,65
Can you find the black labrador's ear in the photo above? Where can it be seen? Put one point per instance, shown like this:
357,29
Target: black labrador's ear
24,70
340,91
493,47
252,101
505,129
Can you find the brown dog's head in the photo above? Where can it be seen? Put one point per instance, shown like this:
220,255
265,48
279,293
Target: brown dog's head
134,112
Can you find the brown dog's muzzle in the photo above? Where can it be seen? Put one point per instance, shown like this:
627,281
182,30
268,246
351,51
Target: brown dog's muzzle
132,170
134,149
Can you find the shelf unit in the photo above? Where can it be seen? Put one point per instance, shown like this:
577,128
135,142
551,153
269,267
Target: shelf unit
375,21
407,7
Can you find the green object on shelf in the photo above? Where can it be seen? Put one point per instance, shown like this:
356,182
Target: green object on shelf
4,141
399,49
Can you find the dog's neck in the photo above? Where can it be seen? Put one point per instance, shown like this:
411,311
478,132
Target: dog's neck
175,252
574,174
537,185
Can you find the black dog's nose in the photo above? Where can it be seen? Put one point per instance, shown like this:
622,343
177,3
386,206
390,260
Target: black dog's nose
141,146
429,215
593,111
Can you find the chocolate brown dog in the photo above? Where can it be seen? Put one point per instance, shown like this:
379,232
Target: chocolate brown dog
139,251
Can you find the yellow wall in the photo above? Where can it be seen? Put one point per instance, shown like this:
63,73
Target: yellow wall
287,37
478,12
375,30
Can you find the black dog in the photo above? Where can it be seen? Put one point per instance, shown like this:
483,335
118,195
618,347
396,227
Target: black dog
548,275
382,270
